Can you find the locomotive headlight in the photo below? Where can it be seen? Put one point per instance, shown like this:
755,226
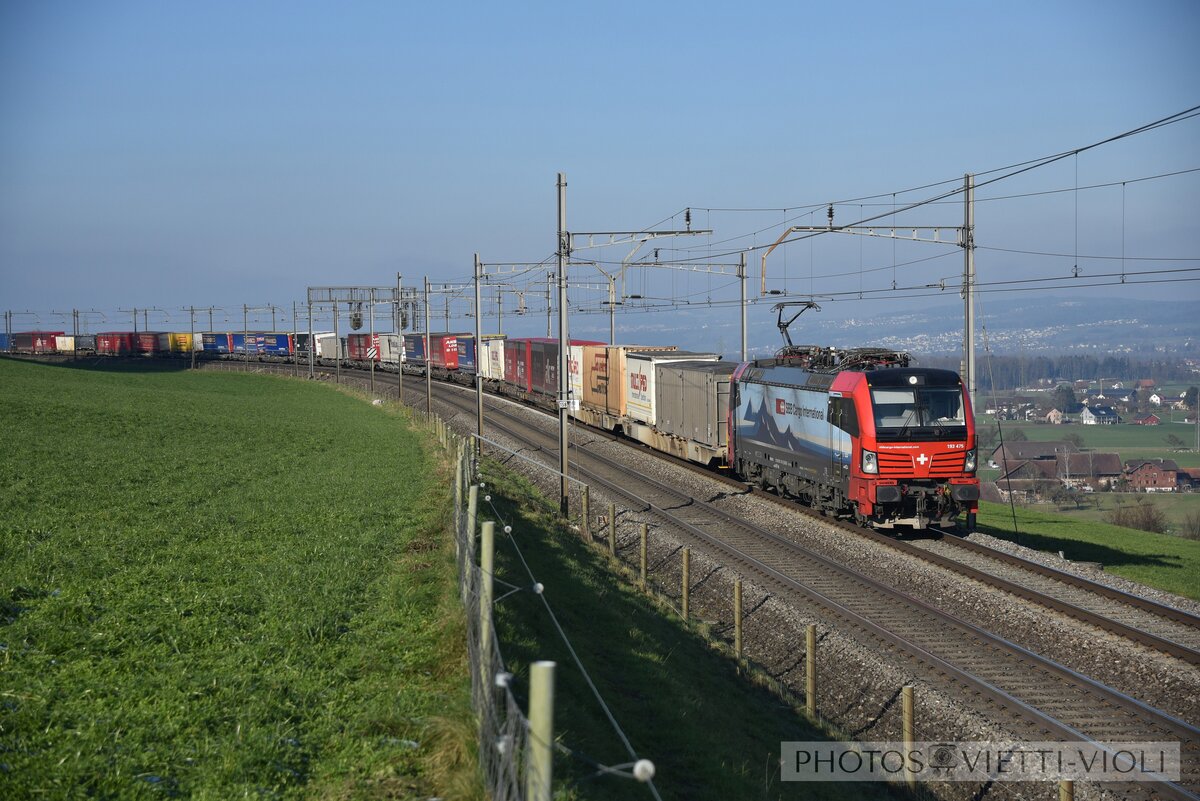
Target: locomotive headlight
869,463
969,461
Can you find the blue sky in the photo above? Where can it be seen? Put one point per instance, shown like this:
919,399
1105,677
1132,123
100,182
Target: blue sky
223,153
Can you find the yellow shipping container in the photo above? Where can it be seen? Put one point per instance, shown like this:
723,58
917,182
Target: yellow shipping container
181,343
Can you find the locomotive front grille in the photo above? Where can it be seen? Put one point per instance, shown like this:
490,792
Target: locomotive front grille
947,464
894,464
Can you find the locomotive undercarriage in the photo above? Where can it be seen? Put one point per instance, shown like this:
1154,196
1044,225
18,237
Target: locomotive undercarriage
826,498
918,504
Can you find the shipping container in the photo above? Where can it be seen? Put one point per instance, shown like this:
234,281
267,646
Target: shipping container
391,348
152,343
5,341
181,343
603,375
489,356
639,383
324,344
543,365
692,401
36,341
414,349
262,343
443,350
115,343
214,342
465,344
85,342
516,363
386,347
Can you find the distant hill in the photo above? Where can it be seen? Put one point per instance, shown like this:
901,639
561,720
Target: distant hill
1026,325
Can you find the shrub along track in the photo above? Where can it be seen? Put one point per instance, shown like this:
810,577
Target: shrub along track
1027,693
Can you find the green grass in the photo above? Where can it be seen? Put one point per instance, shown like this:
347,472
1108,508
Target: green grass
711,732
1158,560
217,586
1130,441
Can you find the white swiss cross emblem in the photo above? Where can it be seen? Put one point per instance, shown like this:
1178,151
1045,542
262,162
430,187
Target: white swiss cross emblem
922,459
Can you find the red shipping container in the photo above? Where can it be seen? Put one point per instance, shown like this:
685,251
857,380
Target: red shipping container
150,342
36,341
115,343
443,350
516,363
358,345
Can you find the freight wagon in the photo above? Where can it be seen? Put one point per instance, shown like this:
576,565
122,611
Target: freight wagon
36,341
640,374
181,344
212,342
603,384
261,344
5,341
414,349
383,349
325,345
151,343
115,343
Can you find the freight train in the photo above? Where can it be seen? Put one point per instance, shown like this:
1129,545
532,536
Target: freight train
858,434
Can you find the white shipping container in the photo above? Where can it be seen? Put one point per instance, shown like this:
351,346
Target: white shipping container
492,363
575,374
639,380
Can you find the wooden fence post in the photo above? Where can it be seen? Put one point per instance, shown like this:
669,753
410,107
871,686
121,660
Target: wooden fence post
687,579
906,712
810,670
486,566
645,533
737,618
538,772
612,529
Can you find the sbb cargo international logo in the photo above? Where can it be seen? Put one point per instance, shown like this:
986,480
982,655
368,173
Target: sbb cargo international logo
787,407
980,762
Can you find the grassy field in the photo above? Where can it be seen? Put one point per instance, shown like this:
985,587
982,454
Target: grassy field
218,586
1132,442
712,733
1159,560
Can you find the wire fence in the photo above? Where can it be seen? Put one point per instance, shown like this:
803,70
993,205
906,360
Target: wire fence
508,741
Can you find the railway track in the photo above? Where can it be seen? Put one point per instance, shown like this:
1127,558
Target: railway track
1030,693
1027,692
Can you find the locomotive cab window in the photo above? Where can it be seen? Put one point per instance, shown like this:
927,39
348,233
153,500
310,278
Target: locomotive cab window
898,411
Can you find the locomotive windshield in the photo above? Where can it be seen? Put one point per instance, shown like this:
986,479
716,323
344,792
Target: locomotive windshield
919,413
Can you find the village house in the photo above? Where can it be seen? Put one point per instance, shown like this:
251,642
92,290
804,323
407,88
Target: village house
1144,383
1155,399
1148,419
1089,469
1099,416
1025,451
1152,475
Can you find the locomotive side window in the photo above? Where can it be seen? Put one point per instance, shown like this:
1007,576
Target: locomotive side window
842,415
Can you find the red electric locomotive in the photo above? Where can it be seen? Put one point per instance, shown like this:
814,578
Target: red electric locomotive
857,434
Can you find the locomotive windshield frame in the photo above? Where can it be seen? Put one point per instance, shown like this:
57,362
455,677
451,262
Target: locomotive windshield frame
912,405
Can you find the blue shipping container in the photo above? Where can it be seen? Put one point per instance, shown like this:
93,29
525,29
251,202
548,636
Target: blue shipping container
216,343
414,348
4,341
466,353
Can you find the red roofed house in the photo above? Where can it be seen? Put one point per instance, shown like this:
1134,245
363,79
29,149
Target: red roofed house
1152,475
